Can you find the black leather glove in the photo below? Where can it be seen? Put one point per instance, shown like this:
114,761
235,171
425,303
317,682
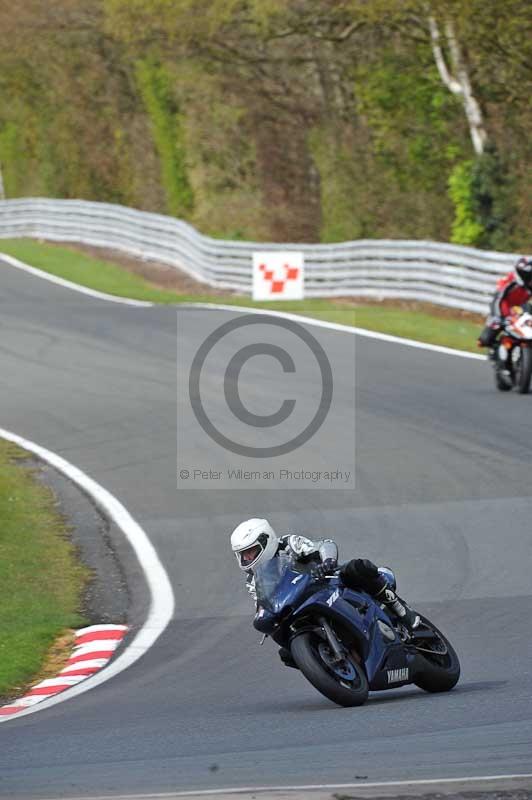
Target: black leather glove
320,571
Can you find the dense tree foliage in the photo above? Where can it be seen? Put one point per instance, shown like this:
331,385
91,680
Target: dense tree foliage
298,120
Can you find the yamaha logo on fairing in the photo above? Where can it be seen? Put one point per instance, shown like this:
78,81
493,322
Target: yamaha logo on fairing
333,598
397,675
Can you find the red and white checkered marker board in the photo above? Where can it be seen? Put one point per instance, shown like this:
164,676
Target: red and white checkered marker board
278,276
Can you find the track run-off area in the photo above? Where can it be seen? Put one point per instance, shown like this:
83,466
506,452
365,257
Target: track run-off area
442,495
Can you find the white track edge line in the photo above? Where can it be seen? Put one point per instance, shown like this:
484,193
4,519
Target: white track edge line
337,326
75,287
315,787
162,597
333,326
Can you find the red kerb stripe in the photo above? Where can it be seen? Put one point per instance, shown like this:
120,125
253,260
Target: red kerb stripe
48,690
90,656
84,671
99,635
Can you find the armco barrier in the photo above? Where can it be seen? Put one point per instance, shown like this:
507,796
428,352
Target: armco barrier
449,275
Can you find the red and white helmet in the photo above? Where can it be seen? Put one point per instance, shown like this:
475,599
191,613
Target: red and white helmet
253,541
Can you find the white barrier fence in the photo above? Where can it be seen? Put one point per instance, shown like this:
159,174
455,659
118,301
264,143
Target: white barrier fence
449,275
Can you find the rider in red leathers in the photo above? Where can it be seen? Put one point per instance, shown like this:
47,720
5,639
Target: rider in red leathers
515,289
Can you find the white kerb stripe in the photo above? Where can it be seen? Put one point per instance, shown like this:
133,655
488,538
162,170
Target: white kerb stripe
27,702
162,597
85,664
51,682
98,628
93,647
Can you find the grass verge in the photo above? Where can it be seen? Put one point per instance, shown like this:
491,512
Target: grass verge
434,326
41,580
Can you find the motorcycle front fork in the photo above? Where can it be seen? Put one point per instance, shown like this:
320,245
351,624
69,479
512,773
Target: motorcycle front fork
509,356
334,644
503,357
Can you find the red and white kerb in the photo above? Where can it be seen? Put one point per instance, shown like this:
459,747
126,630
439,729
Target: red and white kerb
94,647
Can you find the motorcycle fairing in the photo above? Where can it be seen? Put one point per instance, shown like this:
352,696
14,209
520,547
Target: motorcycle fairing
386,662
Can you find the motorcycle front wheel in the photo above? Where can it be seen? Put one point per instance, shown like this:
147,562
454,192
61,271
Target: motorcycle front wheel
523,371
437,665
343,682
502,383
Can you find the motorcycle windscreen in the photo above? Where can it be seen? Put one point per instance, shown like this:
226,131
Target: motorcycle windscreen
268,578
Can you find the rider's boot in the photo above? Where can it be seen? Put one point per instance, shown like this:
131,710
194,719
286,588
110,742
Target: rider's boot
399,608
488,335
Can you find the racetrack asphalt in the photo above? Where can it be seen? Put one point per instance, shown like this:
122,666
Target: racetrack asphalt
442,495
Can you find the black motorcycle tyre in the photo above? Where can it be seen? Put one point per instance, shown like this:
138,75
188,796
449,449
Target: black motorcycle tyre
525,371
500,382
311,666
434,677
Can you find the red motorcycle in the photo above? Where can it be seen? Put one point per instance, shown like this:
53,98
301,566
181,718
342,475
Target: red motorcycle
512,354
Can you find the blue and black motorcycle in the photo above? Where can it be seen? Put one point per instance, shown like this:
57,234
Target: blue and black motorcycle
343,641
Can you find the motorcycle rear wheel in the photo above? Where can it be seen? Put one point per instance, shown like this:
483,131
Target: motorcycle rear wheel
348,689
438,671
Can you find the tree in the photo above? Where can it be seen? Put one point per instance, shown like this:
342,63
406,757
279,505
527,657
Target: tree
292,120
264,54
457,79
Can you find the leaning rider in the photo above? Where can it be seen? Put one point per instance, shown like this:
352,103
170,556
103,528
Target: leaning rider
515,289
255,542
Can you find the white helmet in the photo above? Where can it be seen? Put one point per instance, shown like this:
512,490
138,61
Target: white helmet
253,541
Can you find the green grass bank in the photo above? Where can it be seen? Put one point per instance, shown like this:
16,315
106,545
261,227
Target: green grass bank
41,580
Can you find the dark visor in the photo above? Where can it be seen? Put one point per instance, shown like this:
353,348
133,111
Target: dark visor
250,555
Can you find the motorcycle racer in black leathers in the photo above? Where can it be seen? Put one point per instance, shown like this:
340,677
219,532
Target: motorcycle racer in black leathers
254,542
